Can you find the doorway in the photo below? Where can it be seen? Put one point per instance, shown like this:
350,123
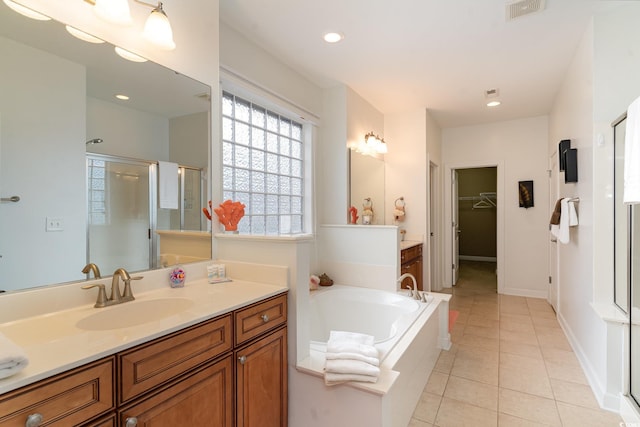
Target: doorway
474,225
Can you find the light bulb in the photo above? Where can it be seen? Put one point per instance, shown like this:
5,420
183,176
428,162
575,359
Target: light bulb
114,11
82,35
130,56
157,29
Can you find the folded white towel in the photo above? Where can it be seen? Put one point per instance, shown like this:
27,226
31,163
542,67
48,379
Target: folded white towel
632,154
341,366
347,347
168,185
353,337
334,379
353,356
12,358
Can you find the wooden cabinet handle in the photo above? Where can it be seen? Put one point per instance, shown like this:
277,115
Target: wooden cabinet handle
131,422
34,420
265,318
242,359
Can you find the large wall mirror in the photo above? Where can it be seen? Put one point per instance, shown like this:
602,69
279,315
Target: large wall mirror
84,163
366,181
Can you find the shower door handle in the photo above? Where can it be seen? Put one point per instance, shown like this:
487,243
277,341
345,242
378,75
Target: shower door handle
13,199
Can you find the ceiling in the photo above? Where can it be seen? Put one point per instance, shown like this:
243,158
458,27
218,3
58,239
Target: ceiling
401,55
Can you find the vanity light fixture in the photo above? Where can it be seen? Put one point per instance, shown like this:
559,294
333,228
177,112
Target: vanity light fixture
122,97
157,29
491,96
114,11
129,56
25,11
82,35
333,37
372,144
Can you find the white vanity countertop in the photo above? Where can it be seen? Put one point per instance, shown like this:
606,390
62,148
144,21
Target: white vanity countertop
406,244
54,343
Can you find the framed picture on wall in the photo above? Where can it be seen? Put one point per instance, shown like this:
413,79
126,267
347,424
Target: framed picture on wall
525,194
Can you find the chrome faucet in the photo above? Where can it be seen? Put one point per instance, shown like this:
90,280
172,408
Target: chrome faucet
91,267
413,292
116,297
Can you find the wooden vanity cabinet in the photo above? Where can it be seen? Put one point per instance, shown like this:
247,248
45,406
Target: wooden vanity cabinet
261,364
411,262
68,399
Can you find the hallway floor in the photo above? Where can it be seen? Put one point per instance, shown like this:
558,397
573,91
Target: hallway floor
510,365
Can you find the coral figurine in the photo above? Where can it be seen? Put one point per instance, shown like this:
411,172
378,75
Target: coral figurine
229,214
354,214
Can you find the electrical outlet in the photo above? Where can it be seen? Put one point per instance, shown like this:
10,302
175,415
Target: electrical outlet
54,224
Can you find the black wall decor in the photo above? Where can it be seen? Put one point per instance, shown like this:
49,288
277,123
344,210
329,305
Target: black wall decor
571,165
525,194
563,146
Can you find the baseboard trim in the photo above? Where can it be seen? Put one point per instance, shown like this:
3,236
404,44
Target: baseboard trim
478,258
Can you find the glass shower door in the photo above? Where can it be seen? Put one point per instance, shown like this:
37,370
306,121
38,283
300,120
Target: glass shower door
634,312
120,214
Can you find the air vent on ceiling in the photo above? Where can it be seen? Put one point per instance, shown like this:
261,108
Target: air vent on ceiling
520,8
491,93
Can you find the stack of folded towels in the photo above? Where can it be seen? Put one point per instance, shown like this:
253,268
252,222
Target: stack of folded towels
351,356
12,358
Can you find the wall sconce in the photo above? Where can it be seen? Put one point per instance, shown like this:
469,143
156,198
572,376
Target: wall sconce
372,144
157,29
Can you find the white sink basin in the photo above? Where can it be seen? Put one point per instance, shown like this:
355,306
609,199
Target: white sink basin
133,313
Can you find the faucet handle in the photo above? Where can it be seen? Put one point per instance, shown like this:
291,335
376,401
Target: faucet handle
102,294
127,293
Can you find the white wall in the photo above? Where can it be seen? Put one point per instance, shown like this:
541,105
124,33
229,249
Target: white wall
42,145
519,149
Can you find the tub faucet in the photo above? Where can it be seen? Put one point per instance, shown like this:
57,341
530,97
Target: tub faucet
91,267
413,292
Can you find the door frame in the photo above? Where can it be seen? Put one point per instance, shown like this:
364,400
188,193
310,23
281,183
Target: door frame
448,218
554,278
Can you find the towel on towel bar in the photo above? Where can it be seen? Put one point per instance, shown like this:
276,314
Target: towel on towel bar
167,185
555,215
12,358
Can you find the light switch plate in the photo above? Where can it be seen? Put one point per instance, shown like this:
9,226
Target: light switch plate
54,224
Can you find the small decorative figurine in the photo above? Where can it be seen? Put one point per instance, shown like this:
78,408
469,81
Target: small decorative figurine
208,212
325,280
177,277
367,211
229,214
398,211
314,281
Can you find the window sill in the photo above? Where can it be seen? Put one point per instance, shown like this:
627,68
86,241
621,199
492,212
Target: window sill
259,238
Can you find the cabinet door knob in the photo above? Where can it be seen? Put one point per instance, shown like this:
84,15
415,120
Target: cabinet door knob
242,359
34,420
131,422
265,318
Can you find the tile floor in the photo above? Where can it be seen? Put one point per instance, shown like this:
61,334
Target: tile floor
510,365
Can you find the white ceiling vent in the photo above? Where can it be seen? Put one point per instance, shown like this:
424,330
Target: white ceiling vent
520,8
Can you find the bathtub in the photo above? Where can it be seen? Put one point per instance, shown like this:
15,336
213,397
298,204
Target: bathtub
384,315
409,336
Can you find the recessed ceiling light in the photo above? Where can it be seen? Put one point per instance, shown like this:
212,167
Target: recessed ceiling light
29,13
493,103
333,37
122,97
129,55
82,35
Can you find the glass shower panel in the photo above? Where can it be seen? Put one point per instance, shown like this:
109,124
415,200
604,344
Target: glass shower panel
620,295
119,214
634,315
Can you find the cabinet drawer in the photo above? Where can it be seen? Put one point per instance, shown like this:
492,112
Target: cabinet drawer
410,253
152,364
256,319
67,399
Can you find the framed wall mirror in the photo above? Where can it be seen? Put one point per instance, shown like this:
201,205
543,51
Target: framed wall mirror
366,181
84,162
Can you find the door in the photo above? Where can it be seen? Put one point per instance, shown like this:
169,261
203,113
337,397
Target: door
455,230
433,284
552,294
121,231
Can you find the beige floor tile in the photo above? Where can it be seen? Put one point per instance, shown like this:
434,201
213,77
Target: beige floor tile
516,318
505,420
427,408
521,328
520,309
576,416
479,320
453,413
526,350
476,364
561,371
524,374
444,362
487,313
545,322
539,304
472,392
463,318
512,300
481,331
552,337
490,344
437,383
542,314
560,357
518,338
419,423
574,393
532,408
